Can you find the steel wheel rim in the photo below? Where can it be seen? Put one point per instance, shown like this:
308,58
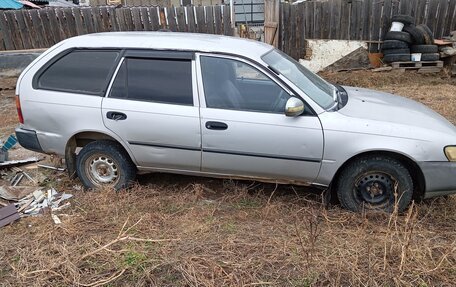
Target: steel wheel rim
375,189
102,170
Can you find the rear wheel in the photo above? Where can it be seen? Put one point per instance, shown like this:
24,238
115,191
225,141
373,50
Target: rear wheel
105,163
375,183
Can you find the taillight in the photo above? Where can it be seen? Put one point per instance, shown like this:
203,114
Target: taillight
19,110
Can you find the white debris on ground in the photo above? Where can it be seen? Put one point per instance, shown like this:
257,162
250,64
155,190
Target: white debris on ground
37,202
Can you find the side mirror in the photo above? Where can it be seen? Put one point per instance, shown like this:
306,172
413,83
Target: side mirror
294,107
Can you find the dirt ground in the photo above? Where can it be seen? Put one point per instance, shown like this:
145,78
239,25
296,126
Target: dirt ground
173,230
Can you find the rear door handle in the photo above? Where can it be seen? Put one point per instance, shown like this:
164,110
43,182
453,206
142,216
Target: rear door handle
117,116
216,126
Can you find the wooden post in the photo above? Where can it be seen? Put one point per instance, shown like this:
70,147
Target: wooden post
271,22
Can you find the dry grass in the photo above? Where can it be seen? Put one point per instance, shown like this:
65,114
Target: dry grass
185,231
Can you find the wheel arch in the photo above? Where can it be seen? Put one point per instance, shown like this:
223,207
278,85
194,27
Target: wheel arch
417,175
81,139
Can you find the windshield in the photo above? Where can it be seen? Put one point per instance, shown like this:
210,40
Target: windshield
315,87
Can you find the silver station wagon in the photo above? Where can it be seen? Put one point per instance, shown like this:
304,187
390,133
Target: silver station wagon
114,104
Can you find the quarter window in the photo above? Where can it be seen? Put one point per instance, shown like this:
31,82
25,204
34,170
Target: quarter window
80,71
235,85
154,80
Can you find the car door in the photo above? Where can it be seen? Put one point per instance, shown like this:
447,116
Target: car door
244,129
152,105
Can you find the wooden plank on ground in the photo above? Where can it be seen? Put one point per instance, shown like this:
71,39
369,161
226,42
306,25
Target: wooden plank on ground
8,215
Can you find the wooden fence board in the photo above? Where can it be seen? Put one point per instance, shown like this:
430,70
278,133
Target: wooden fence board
200,20
25,29
450,17
144,14
136,16
70,22
172,23
6,31
430,19
180,15
210,20
218,19
40,35
441,17
191,19
227,30
10,17
154,22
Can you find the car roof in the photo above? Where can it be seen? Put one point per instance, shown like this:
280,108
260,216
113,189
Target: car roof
172,41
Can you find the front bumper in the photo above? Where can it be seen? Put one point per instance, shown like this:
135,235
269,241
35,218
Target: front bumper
28,139
440,178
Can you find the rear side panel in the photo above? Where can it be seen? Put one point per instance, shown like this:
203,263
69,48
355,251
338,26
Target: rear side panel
56,115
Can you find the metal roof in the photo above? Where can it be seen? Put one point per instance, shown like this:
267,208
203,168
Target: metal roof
10,4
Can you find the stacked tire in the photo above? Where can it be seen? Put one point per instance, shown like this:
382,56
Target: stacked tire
399,45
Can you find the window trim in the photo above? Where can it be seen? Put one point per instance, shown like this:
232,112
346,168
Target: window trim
62,54
248,61
157,55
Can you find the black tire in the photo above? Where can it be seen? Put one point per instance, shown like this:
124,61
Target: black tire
424,49
110,158
417,34
427,33
394,44
400,36
369,183
395,51
430,57
406,19
396,58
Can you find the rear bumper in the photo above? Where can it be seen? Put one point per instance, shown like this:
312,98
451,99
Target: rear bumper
440,178
28,139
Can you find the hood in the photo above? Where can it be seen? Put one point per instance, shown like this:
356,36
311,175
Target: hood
384,107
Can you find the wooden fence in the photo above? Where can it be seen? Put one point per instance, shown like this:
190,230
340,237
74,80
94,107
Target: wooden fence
30,29
357,20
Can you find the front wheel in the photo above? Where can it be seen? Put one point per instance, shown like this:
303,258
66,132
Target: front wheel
105,163
375,183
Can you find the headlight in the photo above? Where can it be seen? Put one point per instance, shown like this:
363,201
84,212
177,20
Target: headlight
450,152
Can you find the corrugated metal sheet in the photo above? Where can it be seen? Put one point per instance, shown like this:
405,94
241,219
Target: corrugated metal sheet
10,4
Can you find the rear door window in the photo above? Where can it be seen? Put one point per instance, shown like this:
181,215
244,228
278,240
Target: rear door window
80,71
154,80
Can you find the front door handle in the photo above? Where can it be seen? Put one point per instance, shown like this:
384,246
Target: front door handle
117,116
216,126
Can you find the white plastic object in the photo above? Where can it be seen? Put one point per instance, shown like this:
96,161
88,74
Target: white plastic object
397,26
